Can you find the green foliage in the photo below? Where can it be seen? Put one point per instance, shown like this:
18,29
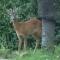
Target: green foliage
25,9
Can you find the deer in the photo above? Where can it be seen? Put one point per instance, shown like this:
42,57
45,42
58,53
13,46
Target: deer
32,27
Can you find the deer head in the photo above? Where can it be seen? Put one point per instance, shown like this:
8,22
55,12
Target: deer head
12,15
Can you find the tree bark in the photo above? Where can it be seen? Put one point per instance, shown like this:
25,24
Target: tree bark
46,11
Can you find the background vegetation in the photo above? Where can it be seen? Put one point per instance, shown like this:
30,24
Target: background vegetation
25,9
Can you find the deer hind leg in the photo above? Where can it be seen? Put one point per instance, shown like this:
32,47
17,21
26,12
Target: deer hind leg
19,46
37,38
37,45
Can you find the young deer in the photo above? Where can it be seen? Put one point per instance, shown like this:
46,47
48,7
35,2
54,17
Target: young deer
23,29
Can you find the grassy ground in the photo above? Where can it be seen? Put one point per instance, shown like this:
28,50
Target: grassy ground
40,54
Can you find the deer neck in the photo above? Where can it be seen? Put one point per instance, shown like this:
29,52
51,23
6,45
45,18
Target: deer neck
15,24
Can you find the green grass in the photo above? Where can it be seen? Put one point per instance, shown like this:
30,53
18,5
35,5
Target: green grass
40,54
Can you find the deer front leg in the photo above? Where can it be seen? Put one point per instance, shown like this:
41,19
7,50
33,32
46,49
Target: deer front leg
19,46
25,44
19,43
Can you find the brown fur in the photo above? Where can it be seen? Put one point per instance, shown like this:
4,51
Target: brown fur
32,26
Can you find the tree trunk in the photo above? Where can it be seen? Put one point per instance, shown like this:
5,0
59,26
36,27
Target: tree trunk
46,11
